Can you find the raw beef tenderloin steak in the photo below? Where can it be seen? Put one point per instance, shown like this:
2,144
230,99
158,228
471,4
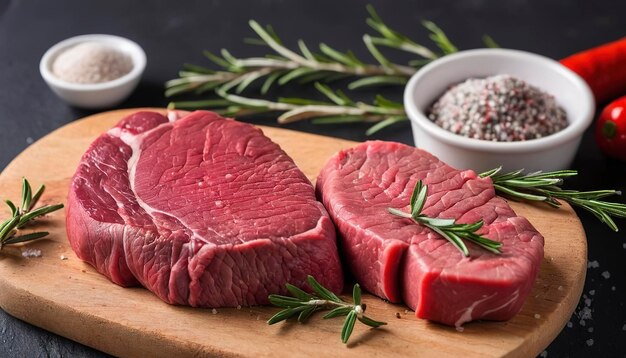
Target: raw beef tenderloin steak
202,211
397,259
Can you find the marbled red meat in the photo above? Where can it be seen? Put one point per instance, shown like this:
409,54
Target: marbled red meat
399,260
202,211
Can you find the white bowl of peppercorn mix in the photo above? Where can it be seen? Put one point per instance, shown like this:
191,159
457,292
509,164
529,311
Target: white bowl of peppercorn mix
93,71
481,109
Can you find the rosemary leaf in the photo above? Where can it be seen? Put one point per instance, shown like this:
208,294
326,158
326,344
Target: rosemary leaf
377,81
348,326
454,232
298,293
304,315
337,119
356,294
370,322
38,212
321,290
25,238
27,194
36,197
384,124
440,38
490,42
338,311
12,207
269,81
304,305
542,187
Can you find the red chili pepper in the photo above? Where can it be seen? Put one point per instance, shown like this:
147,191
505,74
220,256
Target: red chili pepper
603,68
611,129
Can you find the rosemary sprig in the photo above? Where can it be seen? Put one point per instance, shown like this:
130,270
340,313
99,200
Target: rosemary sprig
9,228
544,187
327,64
447,228
339,108
303,305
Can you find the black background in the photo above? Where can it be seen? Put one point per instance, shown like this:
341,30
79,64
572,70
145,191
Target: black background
173,33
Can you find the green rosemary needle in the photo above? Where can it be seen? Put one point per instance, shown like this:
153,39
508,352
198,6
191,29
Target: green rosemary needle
447,228
544,187
339,108
328,64
304,304
9,228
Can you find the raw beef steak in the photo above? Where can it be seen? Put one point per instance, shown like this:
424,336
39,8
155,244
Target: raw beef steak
397,259
202,211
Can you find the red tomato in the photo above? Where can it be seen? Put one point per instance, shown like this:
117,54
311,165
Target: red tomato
611,129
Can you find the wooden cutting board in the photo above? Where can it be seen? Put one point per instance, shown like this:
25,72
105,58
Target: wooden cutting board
70,298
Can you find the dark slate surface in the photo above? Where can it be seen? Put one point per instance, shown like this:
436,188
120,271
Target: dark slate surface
174,33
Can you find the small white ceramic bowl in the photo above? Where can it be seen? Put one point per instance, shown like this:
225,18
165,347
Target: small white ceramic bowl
96,95
553,152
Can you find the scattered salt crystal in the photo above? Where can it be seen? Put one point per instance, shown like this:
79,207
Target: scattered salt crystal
537,315
592,292
29,140
460,329
593,264
587,302
228,176
560,288
590,329
257,317
31,253
238,307
590,342
214,311
624,245
612,288
406,311
63,257
606,274
585,313
219,204
582,322
624,327
570,325
544,354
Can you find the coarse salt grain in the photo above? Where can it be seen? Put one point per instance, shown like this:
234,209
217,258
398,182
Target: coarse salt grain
214,311
91,62
544,354
31,253
606,274
590,329
593,264
624,327
590,342
570,325
537,315
499,108
63,257
592,292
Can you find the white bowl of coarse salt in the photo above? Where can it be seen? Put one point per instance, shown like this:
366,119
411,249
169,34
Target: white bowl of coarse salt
93,71
519,111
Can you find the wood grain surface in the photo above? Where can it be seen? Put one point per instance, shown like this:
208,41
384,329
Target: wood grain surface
70,298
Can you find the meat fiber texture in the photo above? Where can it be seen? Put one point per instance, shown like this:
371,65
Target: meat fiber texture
399,260
203,211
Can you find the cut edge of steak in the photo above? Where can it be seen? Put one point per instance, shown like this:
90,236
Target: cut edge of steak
186,229
398,260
